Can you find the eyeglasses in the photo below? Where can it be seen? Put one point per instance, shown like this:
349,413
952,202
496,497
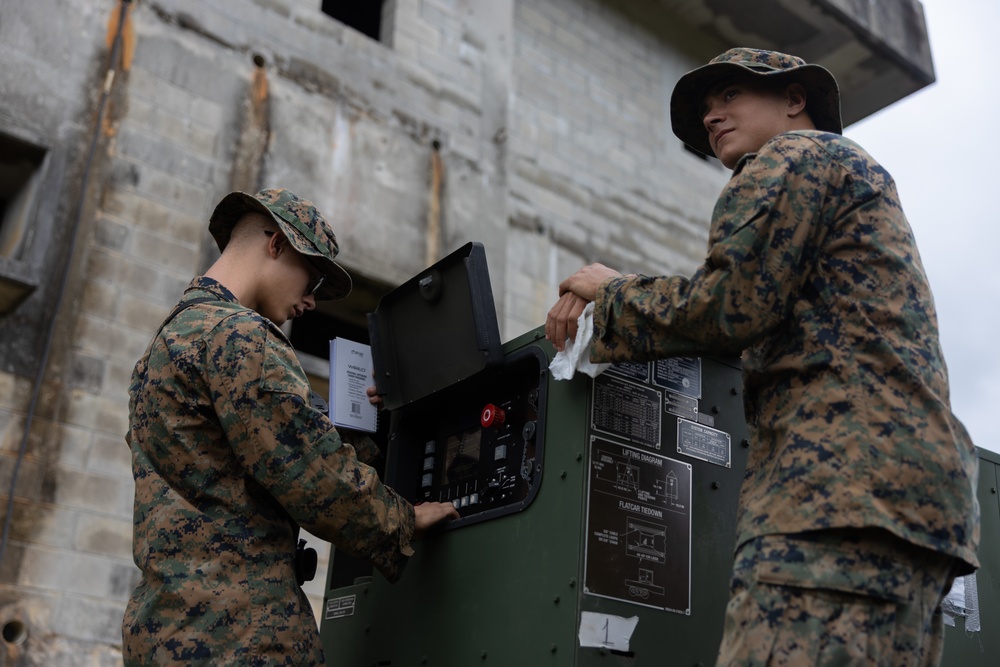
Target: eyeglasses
315,283
314,286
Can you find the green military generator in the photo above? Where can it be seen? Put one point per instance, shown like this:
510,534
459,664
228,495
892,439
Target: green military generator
597,515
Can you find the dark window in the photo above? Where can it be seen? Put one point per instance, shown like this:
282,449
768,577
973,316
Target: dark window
365,16
311,333
348,318
20,164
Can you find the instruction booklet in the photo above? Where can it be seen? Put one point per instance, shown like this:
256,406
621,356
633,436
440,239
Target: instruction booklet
350,377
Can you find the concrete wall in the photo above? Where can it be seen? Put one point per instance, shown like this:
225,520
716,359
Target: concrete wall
596,173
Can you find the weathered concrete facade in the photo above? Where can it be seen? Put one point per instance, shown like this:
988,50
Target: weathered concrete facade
538,127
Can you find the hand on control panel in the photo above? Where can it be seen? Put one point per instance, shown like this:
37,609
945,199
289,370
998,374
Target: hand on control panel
430,514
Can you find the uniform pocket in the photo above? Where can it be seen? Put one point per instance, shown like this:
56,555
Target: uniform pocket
860,566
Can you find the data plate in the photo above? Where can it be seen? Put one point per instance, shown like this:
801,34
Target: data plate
679,374
703,442
627,410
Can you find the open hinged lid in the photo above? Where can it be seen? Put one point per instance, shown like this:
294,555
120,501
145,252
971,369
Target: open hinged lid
435,330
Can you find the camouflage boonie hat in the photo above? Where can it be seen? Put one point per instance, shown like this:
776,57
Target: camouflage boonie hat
301,223
822,92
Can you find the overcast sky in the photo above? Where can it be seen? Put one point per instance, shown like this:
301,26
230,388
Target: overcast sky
936,144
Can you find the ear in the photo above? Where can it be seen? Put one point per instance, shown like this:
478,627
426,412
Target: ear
795,95
276,243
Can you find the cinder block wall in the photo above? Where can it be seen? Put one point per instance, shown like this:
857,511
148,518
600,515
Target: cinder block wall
551,118
596,173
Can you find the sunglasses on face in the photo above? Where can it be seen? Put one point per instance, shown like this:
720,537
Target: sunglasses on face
314,286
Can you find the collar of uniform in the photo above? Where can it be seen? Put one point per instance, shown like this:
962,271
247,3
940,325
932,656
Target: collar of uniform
742,162
209,287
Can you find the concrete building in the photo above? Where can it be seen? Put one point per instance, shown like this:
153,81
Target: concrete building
538,127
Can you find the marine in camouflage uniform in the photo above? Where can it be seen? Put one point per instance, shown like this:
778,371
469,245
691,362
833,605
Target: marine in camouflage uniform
858,505
227,450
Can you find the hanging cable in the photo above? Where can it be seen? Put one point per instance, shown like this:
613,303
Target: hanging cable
64,281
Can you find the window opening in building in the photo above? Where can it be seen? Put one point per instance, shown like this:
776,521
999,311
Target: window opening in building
365,17
311,334
347,318
20,174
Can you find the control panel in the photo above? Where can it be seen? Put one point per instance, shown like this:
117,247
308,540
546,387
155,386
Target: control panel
479,448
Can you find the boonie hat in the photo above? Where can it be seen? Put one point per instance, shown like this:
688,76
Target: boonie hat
822,92
307,231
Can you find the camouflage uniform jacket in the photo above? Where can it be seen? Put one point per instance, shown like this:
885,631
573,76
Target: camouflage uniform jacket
813,274
222,432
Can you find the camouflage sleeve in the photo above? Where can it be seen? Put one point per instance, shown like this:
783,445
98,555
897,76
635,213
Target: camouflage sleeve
294,451
767,229
365,448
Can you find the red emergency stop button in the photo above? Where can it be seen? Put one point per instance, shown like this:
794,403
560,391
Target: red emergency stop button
492,416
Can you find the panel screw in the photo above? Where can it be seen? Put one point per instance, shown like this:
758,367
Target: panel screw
734,391
715,485
554,648
562,475
556,599
572,582
483,655
745,442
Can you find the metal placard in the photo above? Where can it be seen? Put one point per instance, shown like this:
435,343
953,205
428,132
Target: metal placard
679,374
626,410
638,527
680,405
633,370
703,442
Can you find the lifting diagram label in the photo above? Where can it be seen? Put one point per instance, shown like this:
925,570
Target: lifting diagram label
638,527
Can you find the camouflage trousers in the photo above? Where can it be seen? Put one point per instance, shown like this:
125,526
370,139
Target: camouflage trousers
839,597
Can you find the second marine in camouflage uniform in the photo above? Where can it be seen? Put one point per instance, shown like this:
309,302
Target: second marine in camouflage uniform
812,270
858,504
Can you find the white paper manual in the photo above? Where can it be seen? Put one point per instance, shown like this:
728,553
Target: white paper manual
350,377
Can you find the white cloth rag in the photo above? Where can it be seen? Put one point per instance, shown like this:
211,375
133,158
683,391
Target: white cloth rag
576,355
